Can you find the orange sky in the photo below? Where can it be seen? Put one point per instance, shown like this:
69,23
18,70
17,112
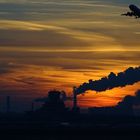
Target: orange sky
33,81
59,44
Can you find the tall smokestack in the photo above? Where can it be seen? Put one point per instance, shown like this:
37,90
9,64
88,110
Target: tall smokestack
32,107
74,98
8,104
75,108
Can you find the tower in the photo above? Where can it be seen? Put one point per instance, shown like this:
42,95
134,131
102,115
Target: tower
32,106
8,104
74,98
75,108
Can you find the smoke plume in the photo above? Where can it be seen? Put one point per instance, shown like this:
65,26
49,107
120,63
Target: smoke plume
122,79
128,101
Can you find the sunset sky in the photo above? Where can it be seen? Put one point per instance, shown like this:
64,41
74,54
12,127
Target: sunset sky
58,44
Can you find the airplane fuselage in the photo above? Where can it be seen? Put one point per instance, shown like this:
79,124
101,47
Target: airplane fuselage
135,10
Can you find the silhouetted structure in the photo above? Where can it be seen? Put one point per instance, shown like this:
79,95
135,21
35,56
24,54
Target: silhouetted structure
75,108
119,110
123,108
32,106
53,107
8,104
74,98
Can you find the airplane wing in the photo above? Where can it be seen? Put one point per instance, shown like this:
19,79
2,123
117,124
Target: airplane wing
131,14
128,14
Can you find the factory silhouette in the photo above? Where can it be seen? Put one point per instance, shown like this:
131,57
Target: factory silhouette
54,114
54,106
54,103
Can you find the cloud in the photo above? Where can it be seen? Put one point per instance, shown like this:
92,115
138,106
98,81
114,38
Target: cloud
26,25
63,97
33,80
129,102
137,98
89,62
30,34
7,67
73,29
46,39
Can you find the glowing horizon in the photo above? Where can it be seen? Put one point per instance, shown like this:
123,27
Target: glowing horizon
49,45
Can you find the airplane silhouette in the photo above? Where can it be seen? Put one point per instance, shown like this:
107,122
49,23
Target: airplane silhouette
135,11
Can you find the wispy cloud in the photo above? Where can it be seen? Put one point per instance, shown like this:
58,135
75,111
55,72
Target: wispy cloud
63,43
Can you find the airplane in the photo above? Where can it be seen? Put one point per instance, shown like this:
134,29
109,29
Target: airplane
135,11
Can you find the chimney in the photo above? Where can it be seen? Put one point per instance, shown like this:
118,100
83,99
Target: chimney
8,104
74,98
32,107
